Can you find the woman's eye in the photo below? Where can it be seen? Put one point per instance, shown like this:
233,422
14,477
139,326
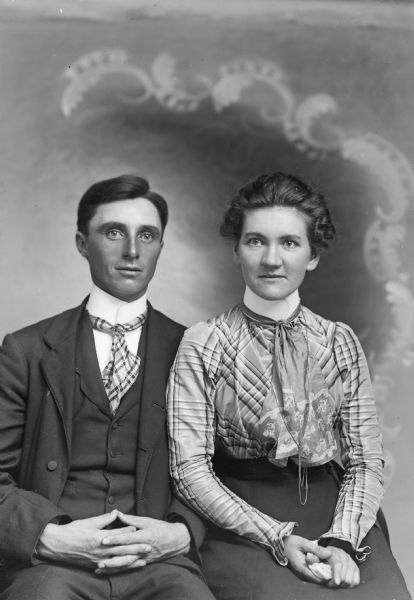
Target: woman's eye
291,244
254,242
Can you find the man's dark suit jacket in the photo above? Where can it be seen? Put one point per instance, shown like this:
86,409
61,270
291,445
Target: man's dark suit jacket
37,382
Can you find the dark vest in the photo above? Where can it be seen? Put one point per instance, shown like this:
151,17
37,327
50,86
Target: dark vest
103,448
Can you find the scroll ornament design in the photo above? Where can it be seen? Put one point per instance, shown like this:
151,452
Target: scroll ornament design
307,125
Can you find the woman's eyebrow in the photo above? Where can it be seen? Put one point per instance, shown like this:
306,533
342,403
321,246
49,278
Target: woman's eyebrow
255,233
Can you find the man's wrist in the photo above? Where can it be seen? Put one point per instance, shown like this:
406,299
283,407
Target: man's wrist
46,542
184,536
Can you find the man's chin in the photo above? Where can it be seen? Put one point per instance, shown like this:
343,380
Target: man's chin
126,293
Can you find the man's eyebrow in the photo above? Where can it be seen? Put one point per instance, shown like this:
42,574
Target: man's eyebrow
118,225
152,228
112,225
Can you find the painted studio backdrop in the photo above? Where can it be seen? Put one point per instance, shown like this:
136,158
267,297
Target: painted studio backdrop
200,98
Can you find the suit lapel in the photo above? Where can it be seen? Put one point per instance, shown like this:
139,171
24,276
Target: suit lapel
152,413
58,364
87,366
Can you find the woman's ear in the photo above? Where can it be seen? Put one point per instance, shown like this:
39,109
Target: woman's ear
236,256
313,263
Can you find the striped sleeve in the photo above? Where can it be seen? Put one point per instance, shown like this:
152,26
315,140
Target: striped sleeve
361,446
191,415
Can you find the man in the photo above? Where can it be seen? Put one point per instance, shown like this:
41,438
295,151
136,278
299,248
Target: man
85,503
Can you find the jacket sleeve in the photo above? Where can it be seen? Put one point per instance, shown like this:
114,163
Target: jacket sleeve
180,513
23,513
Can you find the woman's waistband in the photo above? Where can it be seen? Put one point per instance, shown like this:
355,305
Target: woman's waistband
261,468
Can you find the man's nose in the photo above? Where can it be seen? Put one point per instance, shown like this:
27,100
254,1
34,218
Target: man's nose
131,247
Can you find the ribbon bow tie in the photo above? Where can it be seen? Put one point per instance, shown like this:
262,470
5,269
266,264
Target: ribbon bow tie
298,385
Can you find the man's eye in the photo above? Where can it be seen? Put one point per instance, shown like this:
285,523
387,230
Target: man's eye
146,236
114,234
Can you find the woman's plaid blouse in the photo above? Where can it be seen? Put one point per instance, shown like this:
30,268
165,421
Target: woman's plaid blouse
205,404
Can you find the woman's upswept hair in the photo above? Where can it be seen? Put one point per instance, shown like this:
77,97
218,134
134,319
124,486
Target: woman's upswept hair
280,189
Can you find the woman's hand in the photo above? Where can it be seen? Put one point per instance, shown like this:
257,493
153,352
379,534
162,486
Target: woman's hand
300,552
345,571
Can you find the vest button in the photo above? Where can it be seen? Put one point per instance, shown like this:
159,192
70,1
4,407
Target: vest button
111,500
52,465
112,453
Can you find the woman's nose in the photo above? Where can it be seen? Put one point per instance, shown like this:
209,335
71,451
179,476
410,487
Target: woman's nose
271,256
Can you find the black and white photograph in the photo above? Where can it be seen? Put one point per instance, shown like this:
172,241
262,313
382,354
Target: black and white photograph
207,304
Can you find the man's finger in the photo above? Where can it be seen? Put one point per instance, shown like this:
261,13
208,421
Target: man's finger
138,522
138,563
128,537
130,550
119,562
98,522
123,534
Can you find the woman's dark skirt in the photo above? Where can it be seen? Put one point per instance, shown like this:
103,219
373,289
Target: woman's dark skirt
237,569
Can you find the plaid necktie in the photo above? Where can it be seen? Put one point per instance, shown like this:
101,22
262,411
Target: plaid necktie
123,366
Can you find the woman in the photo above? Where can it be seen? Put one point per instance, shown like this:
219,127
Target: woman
260,398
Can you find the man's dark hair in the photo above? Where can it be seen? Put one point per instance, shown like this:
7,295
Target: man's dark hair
124,187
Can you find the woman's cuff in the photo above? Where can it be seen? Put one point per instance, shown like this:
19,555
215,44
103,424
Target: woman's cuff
337,543
278,548
359,555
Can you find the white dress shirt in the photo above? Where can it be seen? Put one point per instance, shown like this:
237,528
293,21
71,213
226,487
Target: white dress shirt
113,310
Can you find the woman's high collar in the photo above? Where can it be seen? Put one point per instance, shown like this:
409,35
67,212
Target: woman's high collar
277,310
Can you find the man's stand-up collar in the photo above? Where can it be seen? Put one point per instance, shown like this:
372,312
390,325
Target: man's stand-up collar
113,310
103,305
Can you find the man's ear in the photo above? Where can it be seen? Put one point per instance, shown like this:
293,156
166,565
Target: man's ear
81,244
313,263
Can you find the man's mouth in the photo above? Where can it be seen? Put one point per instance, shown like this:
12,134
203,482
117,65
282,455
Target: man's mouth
129,269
